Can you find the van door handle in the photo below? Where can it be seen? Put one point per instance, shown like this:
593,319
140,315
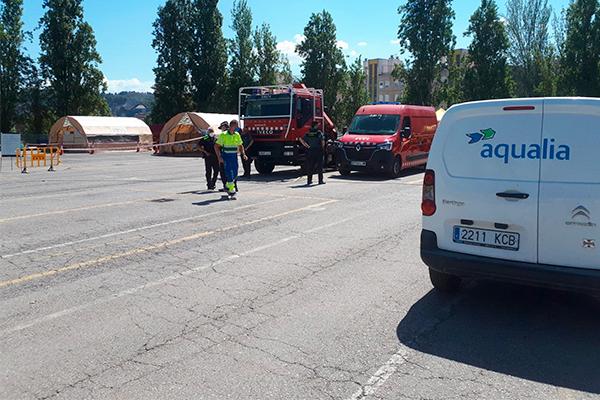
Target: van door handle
513,195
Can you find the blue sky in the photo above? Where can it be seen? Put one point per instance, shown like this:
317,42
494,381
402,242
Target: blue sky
123,30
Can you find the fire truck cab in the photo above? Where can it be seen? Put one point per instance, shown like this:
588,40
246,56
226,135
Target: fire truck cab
277,117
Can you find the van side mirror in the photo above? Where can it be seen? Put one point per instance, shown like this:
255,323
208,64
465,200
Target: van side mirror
406,132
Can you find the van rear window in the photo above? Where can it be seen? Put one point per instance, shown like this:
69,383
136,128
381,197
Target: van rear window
375,124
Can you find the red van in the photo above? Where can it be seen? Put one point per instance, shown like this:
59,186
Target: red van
387,138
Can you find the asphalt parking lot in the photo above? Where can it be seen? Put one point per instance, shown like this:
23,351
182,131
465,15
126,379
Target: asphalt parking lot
121,278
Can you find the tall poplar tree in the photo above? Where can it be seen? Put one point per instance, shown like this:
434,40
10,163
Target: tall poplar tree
324,65
425,32
487,74
581,50
242,63
172,88
13,63
208,56
354,94
69,61
267,55
530,51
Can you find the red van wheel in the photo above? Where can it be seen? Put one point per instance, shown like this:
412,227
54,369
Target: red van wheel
396,169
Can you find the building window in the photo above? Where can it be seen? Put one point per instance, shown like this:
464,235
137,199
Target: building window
387,83
380,97
387,97
380,85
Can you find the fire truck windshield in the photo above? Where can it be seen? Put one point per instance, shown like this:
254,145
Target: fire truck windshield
265,107
376,124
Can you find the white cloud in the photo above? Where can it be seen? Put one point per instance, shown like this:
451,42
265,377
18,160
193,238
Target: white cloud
128,85
298,38
288,48
395,41
353,53
342,45
362,44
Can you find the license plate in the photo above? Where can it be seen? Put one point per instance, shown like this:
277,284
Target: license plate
264,153
487,238
288,153
358,163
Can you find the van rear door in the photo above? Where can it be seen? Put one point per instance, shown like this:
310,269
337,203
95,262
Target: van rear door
570,184
487,188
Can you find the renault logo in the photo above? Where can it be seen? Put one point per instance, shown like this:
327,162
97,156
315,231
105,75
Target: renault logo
589,244
358,147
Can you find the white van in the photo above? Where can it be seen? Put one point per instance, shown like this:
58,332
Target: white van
512,192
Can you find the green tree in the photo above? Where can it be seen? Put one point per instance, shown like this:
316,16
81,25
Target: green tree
425,32
284,73
580,74
451,88
354,94
324,65
530,52
487,74
267,55
242,63
13,63
69,61
35,110
208,56
172,88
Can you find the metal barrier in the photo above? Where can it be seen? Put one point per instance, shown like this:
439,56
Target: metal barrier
38,156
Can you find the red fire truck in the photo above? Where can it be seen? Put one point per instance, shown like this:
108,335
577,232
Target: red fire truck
276,117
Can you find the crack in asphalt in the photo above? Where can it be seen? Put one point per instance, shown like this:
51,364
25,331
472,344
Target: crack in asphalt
221,318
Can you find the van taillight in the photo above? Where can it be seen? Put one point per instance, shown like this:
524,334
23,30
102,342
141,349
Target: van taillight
428,205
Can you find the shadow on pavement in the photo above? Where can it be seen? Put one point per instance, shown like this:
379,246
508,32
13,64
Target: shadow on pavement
277,176
535,334
374,177
211,201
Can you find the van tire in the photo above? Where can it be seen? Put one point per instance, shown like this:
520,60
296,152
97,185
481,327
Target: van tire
345,172
444,282
396,168
264,167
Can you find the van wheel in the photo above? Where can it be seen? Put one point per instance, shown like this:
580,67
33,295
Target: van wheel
263,167
444,282
344,172
396,169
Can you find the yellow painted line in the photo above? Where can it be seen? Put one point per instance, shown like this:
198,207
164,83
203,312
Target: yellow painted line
70,210
146,249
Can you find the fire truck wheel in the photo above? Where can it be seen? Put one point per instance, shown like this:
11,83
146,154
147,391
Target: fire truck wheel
264,168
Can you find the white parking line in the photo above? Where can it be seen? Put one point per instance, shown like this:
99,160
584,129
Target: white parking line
382,374
142,228
170,278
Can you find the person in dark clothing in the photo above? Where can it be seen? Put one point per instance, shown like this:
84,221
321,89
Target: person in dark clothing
247,164
211,161
314,141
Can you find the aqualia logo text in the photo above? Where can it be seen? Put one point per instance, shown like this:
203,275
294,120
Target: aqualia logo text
548,150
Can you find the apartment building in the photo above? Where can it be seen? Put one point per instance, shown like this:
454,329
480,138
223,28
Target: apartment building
381,85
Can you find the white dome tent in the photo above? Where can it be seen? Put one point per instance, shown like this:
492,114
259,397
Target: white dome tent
79,132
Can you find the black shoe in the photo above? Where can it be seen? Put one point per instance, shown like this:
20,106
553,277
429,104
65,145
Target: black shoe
321,183
222,190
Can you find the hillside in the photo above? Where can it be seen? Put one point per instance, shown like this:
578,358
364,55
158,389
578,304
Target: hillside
130,104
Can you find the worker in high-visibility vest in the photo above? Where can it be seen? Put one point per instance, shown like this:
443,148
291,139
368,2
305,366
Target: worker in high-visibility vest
229,144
